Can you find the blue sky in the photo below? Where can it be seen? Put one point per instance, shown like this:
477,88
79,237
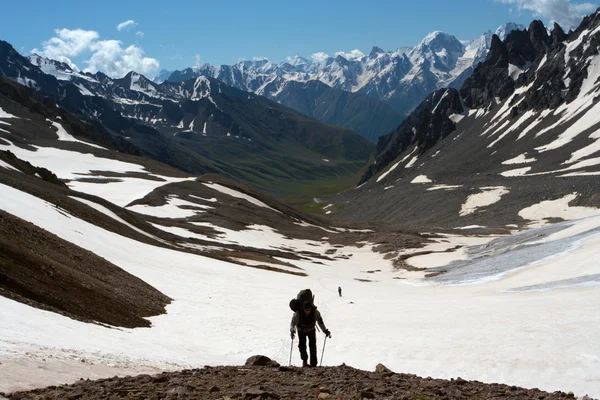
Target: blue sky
178,34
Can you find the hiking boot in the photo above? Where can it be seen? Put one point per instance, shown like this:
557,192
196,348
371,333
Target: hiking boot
304,363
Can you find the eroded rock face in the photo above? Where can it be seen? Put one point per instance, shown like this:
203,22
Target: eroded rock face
284,383
429,123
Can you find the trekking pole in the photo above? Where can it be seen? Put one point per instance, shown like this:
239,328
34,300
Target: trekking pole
323,352
291,349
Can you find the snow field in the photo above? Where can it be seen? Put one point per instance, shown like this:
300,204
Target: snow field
477,332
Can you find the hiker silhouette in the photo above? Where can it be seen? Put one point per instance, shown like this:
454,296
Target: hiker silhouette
304,321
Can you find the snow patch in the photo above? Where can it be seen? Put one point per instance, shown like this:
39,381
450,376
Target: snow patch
240,195
6,165
4,114
520,159
516,172
393,167
67,137
421,179
488,196
559,208
444,187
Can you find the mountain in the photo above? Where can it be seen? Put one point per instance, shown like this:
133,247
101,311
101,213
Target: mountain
520,131
162,76
307,96
401,78
504,29
130,266
202,125
317,100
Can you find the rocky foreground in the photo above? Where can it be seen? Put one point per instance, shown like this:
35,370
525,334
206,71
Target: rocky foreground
262,378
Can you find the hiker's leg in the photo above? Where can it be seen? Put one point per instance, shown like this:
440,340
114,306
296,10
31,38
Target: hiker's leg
302,346
312,345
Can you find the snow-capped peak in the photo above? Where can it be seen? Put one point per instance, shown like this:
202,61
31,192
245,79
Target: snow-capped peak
504,29
60,70
297,61
140,83
439,50
375,51
437,39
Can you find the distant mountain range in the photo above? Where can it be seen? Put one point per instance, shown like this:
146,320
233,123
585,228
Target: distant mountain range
199,125
401,78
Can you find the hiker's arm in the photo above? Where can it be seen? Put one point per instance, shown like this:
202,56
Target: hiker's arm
320,320
294,322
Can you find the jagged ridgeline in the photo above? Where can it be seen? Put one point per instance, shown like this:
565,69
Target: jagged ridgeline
524,121
365,93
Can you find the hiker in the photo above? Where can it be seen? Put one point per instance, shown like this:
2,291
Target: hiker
340,291
305,320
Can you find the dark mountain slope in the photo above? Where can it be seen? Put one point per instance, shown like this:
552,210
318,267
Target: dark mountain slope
362,114
44,271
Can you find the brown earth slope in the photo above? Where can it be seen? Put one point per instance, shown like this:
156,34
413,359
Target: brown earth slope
266,382
40,269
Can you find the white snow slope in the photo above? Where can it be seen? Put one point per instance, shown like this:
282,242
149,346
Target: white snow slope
492,331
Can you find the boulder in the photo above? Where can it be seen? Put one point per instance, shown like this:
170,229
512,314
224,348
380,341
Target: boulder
380,368
261,361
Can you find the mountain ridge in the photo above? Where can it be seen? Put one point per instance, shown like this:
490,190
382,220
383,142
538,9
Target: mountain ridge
522,124
400,78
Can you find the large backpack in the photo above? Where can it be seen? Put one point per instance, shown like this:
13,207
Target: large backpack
304,296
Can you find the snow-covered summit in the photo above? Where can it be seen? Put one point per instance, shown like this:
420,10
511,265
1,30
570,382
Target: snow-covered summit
60,70
504,29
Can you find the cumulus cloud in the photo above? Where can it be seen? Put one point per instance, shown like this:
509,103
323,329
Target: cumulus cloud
67,43
139,34
562,11
353,55
320,56
108,56
197,58
126,25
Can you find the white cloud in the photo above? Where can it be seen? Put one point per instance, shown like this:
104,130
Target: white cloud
110,58
353,55
260,59
320,56
67,43
139,34
126,25
107,56
562,11
197,58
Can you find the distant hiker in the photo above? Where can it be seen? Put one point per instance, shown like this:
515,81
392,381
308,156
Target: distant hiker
340,291
305,320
